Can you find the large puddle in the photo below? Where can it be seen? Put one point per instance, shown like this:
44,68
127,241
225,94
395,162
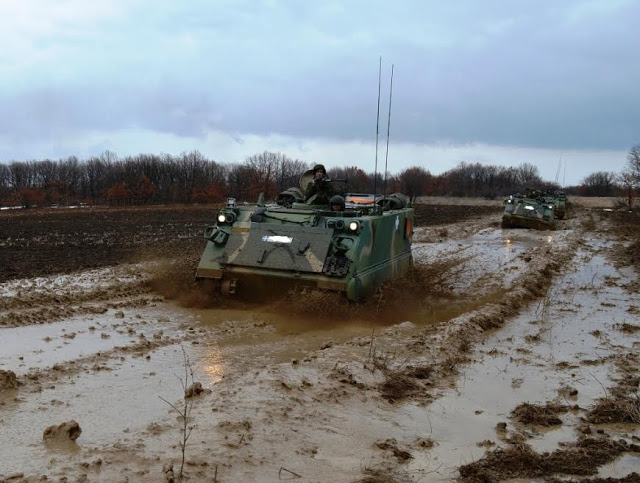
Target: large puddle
115,403
563,341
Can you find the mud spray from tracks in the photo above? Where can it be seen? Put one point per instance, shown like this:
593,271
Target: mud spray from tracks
421,293
175,280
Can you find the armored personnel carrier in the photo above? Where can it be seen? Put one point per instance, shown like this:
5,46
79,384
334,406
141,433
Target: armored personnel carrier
292,245
560,201
531,210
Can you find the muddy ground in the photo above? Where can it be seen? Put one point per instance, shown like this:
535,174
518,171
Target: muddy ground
506,355
48,241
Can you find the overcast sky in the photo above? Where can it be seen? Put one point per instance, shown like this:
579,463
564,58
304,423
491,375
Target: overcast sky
496,81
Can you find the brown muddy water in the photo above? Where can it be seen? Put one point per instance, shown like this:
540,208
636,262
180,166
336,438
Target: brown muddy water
278,393
540,356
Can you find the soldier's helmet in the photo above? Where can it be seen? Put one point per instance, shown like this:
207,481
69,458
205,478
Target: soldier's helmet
337,200
319,166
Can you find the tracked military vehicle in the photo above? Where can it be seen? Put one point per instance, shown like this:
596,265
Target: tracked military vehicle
531,210
560,201
252,249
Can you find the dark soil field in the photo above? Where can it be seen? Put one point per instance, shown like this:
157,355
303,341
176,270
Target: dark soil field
39,242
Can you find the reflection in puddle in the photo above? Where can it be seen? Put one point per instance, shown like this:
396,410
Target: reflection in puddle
521,362
624,465
212,363
519,368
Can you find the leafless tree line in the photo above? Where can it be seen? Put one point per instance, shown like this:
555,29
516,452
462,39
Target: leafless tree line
145,178
192,178
624,184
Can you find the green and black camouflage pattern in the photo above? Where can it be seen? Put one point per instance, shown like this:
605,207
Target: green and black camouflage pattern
531,210
559,199
352,251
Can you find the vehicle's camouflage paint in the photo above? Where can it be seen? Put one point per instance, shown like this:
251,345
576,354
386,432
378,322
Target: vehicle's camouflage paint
290,196
559,199
353,251
531,210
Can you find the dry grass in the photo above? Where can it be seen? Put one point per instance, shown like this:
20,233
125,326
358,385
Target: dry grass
616,410
627,328
520,461
593,201
589,223
541,415
398,386
401,380
385,475
457,201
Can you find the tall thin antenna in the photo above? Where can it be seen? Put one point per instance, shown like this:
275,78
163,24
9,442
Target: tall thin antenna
558,169
565,172
375,172
386,158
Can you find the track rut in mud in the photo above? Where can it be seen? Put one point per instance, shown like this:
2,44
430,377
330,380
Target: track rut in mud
523,317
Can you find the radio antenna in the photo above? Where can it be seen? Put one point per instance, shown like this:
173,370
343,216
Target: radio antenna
558,170
386,158
375,172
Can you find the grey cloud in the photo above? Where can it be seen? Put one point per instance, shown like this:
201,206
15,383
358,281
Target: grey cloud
540,76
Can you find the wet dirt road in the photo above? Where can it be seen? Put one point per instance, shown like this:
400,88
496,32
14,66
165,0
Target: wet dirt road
415,394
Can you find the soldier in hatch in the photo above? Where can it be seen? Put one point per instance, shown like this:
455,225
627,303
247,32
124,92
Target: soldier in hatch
319,190
337,203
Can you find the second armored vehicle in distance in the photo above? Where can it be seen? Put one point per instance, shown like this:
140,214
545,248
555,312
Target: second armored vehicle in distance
531,210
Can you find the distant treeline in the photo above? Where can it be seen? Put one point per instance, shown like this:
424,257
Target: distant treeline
192,178
624,184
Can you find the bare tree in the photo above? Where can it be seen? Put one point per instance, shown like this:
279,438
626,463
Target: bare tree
184,408
239,180
414,182
599,183
633,162
628,183
5,181
528,175
21,175
69,176
288,172
263,169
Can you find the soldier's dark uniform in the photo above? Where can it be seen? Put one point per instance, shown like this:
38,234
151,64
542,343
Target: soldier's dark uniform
323,190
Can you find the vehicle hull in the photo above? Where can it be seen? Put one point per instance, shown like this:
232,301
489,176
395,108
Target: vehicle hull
284,249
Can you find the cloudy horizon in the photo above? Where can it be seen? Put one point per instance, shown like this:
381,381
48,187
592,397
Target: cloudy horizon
497,83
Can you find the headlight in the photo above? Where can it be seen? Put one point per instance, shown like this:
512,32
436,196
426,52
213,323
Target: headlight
222,218
354,226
